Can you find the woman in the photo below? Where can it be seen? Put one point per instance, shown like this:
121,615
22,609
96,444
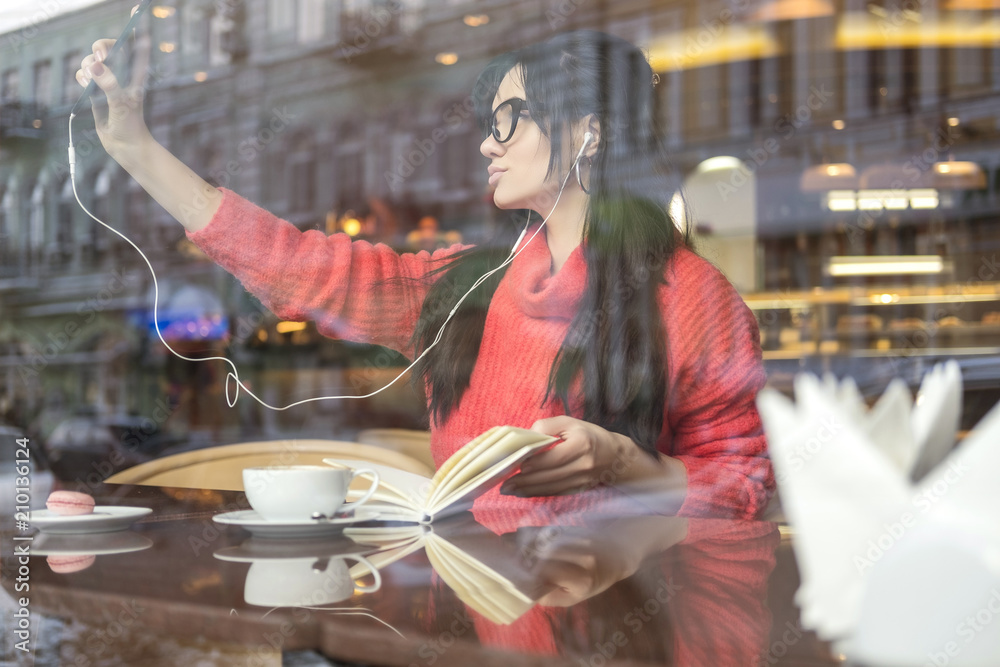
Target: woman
605,329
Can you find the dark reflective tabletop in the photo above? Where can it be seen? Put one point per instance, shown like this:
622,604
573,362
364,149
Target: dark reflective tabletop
483,588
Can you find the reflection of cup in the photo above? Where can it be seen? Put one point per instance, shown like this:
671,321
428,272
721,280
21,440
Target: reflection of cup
304,582
295,493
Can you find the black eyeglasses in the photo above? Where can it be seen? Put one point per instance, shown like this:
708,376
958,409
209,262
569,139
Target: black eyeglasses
504,120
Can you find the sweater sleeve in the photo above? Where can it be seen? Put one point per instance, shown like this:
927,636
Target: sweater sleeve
715,372
353,290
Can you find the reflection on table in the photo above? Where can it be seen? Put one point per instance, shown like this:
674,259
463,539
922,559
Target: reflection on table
486,588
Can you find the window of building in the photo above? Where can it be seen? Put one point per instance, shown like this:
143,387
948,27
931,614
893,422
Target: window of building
9,90
195,32
99,238
280,15
219,27
36,220
302,175
43,82
312,16
71,88
64,221
6,202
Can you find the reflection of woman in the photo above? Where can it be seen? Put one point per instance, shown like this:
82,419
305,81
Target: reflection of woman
658,590
606,329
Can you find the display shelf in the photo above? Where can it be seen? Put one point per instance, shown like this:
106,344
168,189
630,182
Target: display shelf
879,321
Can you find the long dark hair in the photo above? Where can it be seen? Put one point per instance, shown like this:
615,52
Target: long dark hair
616,339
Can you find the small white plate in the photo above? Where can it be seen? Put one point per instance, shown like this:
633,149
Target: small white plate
261,527
95,544
105,519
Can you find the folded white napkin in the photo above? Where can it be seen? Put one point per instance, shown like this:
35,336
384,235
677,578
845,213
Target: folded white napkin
890,566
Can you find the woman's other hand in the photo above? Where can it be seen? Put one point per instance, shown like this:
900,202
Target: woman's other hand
587,456
120,124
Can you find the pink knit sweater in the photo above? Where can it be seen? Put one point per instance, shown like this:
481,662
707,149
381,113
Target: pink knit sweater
351,289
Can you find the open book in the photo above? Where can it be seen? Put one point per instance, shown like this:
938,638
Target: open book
481,568
467,474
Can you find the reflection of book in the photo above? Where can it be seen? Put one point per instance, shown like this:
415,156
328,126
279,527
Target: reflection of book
480,568
468,473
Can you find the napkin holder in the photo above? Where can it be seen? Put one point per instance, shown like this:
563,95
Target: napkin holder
897,533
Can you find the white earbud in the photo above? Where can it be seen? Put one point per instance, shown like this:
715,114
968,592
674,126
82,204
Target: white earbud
587,137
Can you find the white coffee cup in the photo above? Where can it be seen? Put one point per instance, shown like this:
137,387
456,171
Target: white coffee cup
304,582
296,493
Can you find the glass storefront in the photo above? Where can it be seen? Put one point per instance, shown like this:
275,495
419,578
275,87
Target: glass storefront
835,159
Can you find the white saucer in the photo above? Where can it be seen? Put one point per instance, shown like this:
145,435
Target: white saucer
260,527
95,544
258,549
105,519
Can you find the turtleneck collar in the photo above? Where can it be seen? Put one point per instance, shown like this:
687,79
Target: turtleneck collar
537,293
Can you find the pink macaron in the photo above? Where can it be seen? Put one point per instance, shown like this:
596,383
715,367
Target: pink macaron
68,564
70,503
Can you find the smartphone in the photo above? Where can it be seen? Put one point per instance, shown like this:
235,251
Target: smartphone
120,69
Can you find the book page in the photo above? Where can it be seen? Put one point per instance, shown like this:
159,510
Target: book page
477,585
485,480
479,456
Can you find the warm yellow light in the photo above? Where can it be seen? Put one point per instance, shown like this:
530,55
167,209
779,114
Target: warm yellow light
167,47
863,30
719,163
162,12
883,266
200,76
447,58
838,124
672,52
833,170
262,335
351,226
289,327
476,20
886,298
943,168
953,121
841,200
871,200
924,198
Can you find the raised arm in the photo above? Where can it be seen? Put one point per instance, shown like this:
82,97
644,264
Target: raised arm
122,130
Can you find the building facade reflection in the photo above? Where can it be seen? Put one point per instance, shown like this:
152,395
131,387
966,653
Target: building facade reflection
805,133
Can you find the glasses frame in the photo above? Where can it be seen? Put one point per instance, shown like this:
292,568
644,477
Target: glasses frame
517,105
